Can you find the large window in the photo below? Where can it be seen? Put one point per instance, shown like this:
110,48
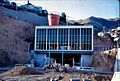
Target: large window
74,42
86,38
52,39
63,39
69,38
41,39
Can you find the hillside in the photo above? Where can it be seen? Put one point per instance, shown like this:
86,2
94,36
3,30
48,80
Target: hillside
16,31
13,34
109,23
25,16
97,22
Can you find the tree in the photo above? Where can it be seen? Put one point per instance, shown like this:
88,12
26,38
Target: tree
63,17
14,4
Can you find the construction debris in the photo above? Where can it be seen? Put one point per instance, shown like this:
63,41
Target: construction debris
58,68
24,73
23,70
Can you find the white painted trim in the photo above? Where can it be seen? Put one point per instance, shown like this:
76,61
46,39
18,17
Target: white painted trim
57,38
35,39
46,37
68,39
80,38
64,50
57,27
52,27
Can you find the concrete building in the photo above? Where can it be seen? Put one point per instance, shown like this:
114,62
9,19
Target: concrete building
63,43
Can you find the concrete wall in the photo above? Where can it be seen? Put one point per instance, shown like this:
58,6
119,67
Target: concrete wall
41,59
86,60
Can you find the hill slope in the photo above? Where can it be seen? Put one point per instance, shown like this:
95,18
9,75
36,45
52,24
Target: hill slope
25,16
98,23
13,47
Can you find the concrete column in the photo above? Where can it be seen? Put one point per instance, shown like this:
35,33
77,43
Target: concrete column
86,60
62,58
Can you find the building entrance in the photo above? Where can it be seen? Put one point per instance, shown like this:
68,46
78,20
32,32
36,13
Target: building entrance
72,59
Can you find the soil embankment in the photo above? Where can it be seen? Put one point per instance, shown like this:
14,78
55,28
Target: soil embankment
14,36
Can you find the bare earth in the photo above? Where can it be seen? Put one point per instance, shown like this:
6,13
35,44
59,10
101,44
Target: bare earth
31,74
48,76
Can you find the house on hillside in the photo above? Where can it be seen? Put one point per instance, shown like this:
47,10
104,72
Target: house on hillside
32,8
115,32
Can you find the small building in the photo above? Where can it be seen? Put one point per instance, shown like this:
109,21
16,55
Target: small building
63,43
31,7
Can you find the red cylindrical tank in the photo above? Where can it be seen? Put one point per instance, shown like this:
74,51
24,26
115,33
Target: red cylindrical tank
53,19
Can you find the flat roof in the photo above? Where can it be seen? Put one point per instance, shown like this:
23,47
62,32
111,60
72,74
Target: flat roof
52,27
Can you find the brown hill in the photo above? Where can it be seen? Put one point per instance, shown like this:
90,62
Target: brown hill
13,47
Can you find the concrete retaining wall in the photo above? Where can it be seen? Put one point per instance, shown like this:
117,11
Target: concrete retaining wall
86,60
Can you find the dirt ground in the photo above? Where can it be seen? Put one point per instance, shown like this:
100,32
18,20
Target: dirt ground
59,76
29,74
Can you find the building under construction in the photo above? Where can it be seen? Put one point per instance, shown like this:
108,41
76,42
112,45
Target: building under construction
65,44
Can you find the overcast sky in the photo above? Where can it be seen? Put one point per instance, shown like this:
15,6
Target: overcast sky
79,9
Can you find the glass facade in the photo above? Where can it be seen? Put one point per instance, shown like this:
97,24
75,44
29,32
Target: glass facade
86,39
52,39
64,38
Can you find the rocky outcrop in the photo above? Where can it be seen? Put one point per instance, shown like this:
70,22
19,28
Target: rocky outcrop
105,59
14,36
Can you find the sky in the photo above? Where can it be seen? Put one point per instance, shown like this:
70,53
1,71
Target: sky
78,9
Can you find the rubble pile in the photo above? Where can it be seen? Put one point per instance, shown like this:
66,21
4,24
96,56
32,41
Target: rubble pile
94,77
58,68
102,78
25,73
64,73
23,70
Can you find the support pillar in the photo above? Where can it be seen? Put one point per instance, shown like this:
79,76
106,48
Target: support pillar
62,58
